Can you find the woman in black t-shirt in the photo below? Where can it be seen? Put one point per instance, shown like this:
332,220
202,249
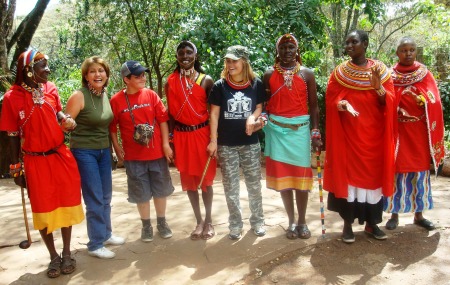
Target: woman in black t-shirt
236,103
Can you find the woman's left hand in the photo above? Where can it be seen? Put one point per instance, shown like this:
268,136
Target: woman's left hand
375,77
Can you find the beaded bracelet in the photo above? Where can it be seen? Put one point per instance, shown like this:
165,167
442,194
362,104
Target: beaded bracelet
381,91
213,141
170,137
67,116
341,104
315,134
263,119
15,170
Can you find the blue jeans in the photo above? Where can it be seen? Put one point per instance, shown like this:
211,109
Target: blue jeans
94,166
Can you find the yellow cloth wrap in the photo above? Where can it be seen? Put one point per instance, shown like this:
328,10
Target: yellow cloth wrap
279,184
59,218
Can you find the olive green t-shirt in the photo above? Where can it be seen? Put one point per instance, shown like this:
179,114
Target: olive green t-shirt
92,130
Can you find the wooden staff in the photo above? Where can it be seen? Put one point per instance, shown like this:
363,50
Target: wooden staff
319,177
204,173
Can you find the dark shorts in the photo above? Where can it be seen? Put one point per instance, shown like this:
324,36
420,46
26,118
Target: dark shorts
147,179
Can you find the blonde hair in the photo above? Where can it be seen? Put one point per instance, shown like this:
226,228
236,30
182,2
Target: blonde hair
87,64
247,70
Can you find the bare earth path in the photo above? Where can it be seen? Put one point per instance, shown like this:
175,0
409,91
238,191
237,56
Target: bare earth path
411,255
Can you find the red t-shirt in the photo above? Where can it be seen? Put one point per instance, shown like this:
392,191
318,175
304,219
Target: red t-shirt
148,108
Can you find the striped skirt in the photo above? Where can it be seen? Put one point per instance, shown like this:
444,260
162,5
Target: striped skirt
412,193
282,176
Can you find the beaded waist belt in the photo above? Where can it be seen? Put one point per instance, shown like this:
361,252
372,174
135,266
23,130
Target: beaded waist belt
189,128
43,153
410,120
293,127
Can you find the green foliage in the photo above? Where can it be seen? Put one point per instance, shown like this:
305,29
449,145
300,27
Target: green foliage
444,90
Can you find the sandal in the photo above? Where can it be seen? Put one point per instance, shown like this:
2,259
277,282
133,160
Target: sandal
208,231
54,268
291,232
424,223
303,231
391,224
68,264
197,233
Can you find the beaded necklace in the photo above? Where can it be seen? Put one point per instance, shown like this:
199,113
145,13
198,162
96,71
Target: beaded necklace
189,76
189,84
288,73
237,85
37,94
408,77
94,91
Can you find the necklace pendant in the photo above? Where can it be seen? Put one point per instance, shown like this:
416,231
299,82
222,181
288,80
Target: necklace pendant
37,96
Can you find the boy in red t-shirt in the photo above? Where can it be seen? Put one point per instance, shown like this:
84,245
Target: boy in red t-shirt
146,164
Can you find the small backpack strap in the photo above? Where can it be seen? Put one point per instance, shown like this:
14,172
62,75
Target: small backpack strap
200,78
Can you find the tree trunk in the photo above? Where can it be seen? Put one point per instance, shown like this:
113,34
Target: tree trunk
25,34
6,22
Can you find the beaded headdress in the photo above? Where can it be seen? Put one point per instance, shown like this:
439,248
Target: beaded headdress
28,58
288,38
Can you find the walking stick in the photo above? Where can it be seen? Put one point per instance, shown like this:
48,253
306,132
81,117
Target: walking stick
26,243
204,173
319,178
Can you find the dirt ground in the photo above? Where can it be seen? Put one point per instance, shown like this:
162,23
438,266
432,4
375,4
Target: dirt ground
410,255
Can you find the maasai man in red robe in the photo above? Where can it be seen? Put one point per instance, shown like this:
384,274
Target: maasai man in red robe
187,92
32,114
421,137
293,111
360,142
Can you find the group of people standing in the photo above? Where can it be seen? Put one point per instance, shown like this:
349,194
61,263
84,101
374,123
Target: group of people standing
372,116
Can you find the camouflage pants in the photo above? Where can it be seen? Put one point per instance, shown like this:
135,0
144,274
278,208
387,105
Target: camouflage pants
248,157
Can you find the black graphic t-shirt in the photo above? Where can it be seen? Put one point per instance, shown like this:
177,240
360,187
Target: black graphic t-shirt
235,107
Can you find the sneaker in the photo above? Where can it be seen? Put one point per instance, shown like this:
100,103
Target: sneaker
235,234
375,232
147,234
164,230
348,236
114,240
259,230
102,253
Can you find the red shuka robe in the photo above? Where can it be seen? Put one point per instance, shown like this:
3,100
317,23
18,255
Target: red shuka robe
360,151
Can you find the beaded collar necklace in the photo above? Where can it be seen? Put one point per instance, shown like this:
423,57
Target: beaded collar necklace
237,85
37,94
357,77
288,73
408,76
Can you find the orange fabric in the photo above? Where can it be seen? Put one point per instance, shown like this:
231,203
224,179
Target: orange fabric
190,147
53,181
428,133
359,150
298,104
282,176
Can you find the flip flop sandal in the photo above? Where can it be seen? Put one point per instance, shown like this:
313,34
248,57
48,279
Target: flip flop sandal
291,232
303,231
54,268
68,264
197,233
208,231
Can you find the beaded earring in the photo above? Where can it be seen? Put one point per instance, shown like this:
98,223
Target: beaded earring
29,74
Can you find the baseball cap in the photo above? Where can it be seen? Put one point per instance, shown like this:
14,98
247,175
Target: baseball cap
132,67
237,52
